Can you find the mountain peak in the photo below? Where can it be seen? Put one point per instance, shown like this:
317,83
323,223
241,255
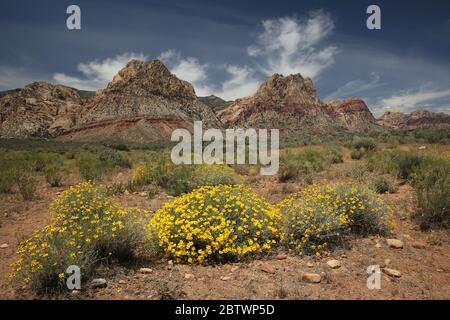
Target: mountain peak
289,87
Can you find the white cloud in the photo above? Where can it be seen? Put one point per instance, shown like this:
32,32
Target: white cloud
189,69
356,86
412,100
241,83
289,45
96,74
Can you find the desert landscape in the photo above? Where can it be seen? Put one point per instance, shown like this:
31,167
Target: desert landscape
86,179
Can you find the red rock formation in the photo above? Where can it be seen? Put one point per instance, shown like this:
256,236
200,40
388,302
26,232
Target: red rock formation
144,102
291,104
352,113
398,120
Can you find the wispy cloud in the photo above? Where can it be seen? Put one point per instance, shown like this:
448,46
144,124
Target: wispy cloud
285,45
96,74
242,82
290,45
411,100
356,86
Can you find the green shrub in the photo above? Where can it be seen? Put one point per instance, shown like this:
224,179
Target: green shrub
382,162
356,154
334,154
382,185
289,168
405,164
6,176
90,167
175,179
431,183
433,134
54,174
120,147
25,180
308,161
114,158
364,143
213,175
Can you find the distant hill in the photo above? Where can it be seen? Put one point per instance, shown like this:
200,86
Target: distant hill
398,120
215,102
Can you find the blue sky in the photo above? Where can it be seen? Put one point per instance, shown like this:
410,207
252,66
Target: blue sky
228,48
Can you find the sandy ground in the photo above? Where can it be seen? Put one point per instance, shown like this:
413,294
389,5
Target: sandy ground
425,271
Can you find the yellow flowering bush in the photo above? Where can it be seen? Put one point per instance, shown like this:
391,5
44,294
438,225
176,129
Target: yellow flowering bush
87,228
320,215
216,223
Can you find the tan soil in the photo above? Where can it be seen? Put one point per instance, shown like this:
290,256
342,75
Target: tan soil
425,272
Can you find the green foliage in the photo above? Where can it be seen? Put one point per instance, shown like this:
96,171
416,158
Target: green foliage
25,180
431,183
364,143
119,146
334,154
213,175
114,158
90,167
356,154
405,164
382,185
6,176
308,161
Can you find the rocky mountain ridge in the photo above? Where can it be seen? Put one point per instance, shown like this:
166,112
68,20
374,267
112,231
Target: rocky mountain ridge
399,120
144,102
291,104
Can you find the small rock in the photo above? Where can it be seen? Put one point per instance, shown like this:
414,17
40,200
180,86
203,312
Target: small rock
282,256
126,192
234,268
378,245
4,246
334,264
143,194
392,272
267,268
422,147
189,276
75,292
311,277
145,270
169,197
98,283
310,264
225,278
395,243
387,262
419,245
122,282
